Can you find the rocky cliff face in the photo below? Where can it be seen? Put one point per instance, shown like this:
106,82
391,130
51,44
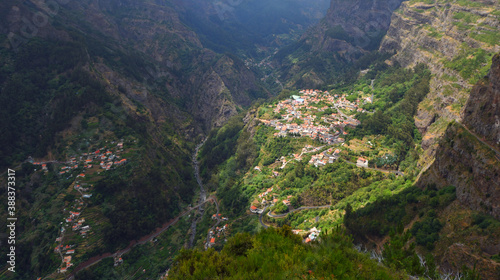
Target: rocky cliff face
468,155
253,28
148,40
462,160
352,27
456,39
482,111
349,30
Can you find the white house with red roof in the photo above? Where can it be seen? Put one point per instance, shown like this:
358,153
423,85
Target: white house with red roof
362,162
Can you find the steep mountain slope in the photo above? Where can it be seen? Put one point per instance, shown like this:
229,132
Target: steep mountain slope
451,216
447,222
352,27
181,63
457,40
482,111
349,30
148,55
468,156
80,77
251,28
82,80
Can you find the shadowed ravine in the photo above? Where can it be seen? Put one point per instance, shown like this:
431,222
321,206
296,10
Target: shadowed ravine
203,194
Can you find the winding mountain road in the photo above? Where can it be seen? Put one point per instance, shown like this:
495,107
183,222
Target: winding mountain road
134,243
260,218
158,231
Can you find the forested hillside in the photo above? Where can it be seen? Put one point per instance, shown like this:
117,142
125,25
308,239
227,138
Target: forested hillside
250,257
292,180
83,82
250,139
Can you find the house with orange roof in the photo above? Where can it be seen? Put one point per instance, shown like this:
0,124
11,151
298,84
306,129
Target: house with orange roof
122,161
74,214
362,162
254,209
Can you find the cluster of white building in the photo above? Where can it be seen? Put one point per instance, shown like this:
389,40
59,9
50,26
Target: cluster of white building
324,158
303,108
218,232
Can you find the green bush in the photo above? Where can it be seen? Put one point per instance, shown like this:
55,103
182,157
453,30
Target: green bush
280,254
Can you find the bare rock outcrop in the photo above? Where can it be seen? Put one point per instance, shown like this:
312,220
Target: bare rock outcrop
468,156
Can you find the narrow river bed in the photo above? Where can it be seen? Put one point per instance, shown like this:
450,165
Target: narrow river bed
203,194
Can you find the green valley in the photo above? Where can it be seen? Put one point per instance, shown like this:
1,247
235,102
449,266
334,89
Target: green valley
244,139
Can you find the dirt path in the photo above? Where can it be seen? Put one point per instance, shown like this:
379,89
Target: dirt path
481,140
